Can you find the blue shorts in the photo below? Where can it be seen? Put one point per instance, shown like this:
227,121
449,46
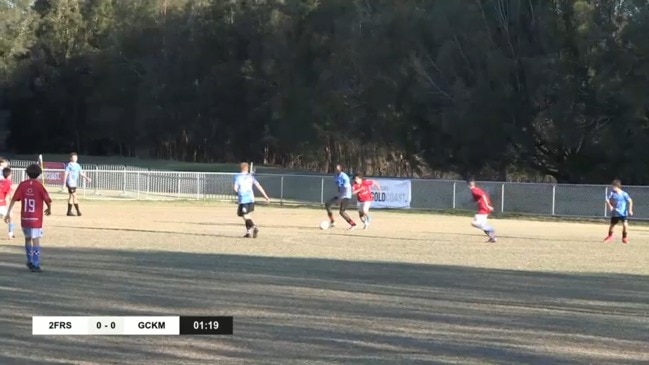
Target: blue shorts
33,232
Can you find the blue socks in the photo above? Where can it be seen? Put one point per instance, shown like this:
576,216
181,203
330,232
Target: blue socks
28,252
11,228
36,256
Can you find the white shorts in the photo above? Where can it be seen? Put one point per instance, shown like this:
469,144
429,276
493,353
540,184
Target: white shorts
33,232
364,206
3,211
480,219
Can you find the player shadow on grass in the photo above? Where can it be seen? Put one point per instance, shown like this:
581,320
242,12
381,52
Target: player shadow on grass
293,309
233,224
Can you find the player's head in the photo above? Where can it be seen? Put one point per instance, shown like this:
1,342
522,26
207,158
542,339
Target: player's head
339,168
244,167
6,173
3,162
74,157
34,171
471,183
616,185
358,178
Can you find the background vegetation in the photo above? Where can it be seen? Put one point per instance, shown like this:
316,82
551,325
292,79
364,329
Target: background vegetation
506,89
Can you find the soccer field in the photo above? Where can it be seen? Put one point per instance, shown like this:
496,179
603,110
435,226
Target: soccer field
414,288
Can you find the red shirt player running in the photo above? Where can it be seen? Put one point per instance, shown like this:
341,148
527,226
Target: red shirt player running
33,196
484,209
5,191
363,189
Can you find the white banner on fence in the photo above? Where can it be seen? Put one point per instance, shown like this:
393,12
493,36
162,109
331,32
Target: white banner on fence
393,194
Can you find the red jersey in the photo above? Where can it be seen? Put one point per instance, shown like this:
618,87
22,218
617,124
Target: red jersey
32,194
5,189
482,199
364,191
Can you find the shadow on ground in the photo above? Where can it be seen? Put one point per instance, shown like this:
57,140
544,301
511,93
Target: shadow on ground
328,311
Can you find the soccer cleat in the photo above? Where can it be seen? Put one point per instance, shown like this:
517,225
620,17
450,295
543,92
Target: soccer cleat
36,269
78,214
70,214
255,232
351,228
492,240
332,225
625,240
10,236
608,239
30,266
247,235
365,226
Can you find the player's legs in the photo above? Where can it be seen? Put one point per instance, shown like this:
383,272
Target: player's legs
625,228
480,222
33,248
74,201
344,203
245,212
3,214
328,204
611,228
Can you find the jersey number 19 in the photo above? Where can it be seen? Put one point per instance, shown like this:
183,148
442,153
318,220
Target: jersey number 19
30,206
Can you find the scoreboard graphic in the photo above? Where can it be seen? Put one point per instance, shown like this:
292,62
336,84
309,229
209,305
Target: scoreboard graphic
133,325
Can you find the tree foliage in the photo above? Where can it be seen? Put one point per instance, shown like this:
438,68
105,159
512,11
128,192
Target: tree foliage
501,88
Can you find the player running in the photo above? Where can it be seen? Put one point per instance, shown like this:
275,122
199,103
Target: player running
484,209
5,191
71,180
32,194
343,183
621,206
363,189
244,184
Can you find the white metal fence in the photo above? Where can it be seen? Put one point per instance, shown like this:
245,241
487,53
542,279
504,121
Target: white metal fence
514,198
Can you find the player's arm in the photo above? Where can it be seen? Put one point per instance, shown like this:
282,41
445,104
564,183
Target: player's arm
48,202
375,184
66,173
261,190
630,201
83,175
356,188
608,203
486,202
14,199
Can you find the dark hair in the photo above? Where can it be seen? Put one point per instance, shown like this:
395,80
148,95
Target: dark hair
34,171
470,180
2,160
358,175
617,183
6,172
73,154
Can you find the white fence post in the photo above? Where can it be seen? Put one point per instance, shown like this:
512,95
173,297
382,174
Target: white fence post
198,186
179,185
281,191
454,191
124,187
96,179
554,197
137,179
322,190
502,198
148,184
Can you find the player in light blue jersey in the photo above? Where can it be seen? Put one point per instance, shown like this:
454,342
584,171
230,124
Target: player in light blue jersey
244,184
344,196
71,177
621,207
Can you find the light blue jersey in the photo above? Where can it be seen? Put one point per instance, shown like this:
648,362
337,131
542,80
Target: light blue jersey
620,202
74,171
344,185
244,184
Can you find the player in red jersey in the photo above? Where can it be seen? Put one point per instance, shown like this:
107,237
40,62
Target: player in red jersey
32,194
363,189
484,209
5,191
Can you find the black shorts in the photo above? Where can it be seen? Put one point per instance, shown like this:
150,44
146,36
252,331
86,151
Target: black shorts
616,220
71,190
244,209
344,202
